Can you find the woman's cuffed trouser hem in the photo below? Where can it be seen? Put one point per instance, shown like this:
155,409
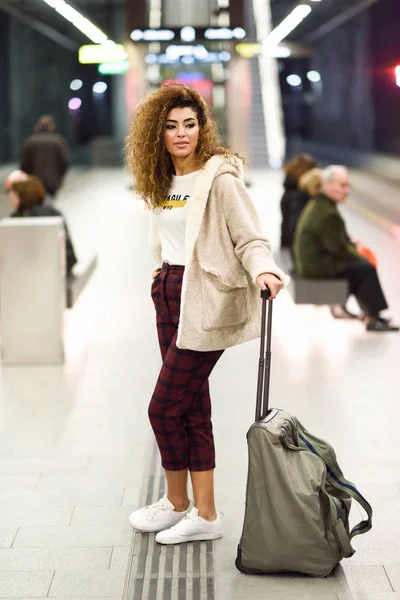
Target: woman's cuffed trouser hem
194,469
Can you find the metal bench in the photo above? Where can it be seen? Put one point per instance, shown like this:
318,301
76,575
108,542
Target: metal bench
79,277
312,291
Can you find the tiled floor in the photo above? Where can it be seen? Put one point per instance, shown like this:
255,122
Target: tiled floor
74,440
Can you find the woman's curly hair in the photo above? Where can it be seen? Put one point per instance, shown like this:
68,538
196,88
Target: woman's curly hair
146,155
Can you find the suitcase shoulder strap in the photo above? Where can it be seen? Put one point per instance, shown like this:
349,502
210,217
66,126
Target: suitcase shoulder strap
337,479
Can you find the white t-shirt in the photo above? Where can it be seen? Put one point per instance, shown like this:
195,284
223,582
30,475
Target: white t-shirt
170,218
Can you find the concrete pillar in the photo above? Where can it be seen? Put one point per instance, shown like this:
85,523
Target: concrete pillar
238,103
119,108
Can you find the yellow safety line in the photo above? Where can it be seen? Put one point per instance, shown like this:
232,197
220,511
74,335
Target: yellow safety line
373,216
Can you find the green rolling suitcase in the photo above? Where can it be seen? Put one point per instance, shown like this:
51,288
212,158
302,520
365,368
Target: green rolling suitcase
297,499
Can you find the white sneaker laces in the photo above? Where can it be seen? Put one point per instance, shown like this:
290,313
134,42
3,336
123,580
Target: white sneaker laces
193,515
154,509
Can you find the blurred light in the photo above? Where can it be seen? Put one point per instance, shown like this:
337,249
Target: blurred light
397,71
223,3
113,68
314,76
152,35
200,52
294,80
74,103
101,53
78,20
76,84
173,57
225,56
277,51
188,34
275,163
224,33
248,50
297,15
239,33
190,76
178,51
136,35
100,87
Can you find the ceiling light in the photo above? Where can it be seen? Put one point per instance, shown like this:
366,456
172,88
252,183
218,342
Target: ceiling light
294,80
78,20
239,33
314,76
297,15
188,34
397,72
74,103
277,51
76,84
100,87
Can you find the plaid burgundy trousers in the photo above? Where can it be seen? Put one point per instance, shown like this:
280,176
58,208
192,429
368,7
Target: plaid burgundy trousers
180,409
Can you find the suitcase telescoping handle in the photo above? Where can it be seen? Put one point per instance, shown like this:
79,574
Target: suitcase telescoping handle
264,366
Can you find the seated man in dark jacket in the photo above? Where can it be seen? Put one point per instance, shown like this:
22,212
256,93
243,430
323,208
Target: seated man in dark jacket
323,249
28,199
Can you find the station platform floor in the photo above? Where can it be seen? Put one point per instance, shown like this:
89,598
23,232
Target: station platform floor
77,453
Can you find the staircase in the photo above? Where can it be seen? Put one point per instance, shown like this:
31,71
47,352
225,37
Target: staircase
258,143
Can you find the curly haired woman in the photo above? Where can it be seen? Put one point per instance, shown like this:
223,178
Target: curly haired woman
210,261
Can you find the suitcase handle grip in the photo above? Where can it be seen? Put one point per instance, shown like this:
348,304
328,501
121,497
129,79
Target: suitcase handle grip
265,294
264,366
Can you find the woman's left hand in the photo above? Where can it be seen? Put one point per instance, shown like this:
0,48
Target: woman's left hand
272,282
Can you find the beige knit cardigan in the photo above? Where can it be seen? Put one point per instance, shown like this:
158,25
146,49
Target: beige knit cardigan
224,254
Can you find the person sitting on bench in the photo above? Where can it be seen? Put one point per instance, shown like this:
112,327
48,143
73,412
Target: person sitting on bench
28,199
323,249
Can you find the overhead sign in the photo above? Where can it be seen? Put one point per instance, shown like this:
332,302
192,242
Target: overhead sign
101,53
188,34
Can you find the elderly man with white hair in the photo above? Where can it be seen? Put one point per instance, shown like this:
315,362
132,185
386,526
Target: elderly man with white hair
323,249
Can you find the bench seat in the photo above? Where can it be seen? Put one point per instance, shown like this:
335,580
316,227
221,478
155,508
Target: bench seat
319,292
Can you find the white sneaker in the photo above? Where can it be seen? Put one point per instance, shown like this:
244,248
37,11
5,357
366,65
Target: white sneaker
158,516
191,529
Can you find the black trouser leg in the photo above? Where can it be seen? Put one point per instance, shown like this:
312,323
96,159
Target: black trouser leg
365,285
